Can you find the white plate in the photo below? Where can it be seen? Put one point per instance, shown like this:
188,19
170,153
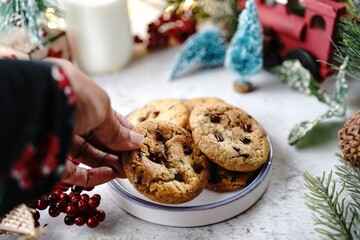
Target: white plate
207,208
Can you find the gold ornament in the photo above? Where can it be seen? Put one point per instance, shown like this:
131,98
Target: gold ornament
350,140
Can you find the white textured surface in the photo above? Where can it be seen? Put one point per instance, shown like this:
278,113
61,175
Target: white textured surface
280,213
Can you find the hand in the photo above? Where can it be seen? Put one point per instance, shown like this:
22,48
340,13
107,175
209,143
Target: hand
99,133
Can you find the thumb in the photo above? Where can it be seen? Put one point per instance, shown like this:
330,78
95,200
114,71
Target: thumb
115,133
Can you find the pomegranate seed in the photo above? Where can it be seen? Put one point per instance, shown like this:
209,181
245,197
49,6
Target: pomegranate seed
92,222
71,210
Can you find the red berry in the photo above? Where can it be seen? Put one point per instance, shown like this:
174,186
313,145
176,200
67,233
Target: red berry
92,222
71,210
36,215
75,199
64,196
58,191
94,202
97,196
61,206
68,220
76,189
100,215
53,198
82,205
80,220
41,204
84,197
53,212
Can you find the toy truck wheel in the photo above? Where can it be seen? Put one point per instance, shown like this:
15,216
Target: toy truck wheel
306,59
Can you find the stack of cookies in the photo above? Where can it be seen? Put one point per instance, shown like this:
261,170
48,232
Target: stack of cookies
191,145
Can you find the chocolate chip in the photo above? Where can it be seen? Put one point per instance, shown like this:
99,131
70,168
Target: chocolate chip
215,119
244,155
247,127
246,140
141,119
179,177
215,178
219,138
198,168
187,150
138,179
139,154
156,114
158,158
160,136
236,149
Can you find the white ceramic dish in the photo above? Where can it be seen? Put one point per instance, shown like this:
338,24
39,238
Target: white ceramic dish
208,208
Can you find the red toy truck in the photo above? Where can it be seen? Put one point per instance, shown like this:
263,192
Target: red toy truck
307,32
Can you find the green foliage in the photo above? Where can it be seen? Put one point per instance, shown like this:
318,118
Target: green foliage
223,13
23,14
292,73
335,215
348,46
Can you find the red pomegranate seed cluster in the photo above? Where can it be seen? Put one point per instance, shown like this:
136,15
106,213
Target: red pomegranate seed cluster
79,208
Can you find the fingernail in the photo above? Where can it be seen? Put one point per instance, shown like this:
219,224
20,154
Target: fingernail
136,138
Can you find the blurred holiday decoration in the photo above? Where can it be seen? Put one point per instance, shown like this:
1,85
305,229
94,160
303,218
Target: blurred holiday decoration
169,29
306,32
20,222
244,56
181,18
206,49
31,30
292,73
350,140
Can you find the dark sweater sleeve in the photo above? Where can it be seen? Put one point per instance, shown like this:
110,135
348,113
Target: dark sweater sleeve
36,121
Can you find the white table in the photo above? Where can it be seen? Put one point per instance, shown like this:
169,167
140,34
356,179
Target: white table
281,212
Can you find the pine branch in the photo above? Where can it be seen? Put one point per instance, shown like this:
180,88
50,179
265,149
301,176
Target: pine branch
323,200
338,215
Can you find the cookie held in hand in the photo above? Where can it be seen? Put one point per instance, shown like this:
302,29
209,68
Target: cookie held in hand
168,168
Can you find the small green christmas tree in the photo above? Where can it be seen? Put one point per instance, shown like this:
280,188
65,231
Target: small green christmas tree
29,15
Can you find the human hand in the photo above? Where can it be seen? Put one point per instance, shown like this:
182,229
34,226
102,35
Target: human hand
99,133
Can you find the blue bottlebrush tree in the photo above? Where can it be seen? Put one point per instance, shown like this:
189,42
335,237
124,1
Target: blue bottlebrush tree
205,49
244,56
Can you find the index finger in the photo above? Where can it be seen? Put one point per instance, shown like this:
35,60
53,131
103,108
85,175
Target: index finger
115,133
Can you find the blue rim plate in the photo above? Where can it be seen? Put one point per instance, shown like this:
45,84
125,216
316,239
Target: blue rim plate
208,208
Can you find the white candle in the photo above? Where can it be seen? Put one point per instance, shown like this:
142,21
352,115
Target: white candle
99,33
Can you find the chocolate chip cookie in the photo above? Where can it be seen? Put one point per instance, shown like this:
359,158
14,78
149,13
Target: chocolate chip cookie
191,103
168,168
167,109
229,136
222,180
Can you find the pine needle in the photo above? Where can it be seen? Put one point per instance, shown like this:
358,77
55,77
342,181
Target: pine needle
329,208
